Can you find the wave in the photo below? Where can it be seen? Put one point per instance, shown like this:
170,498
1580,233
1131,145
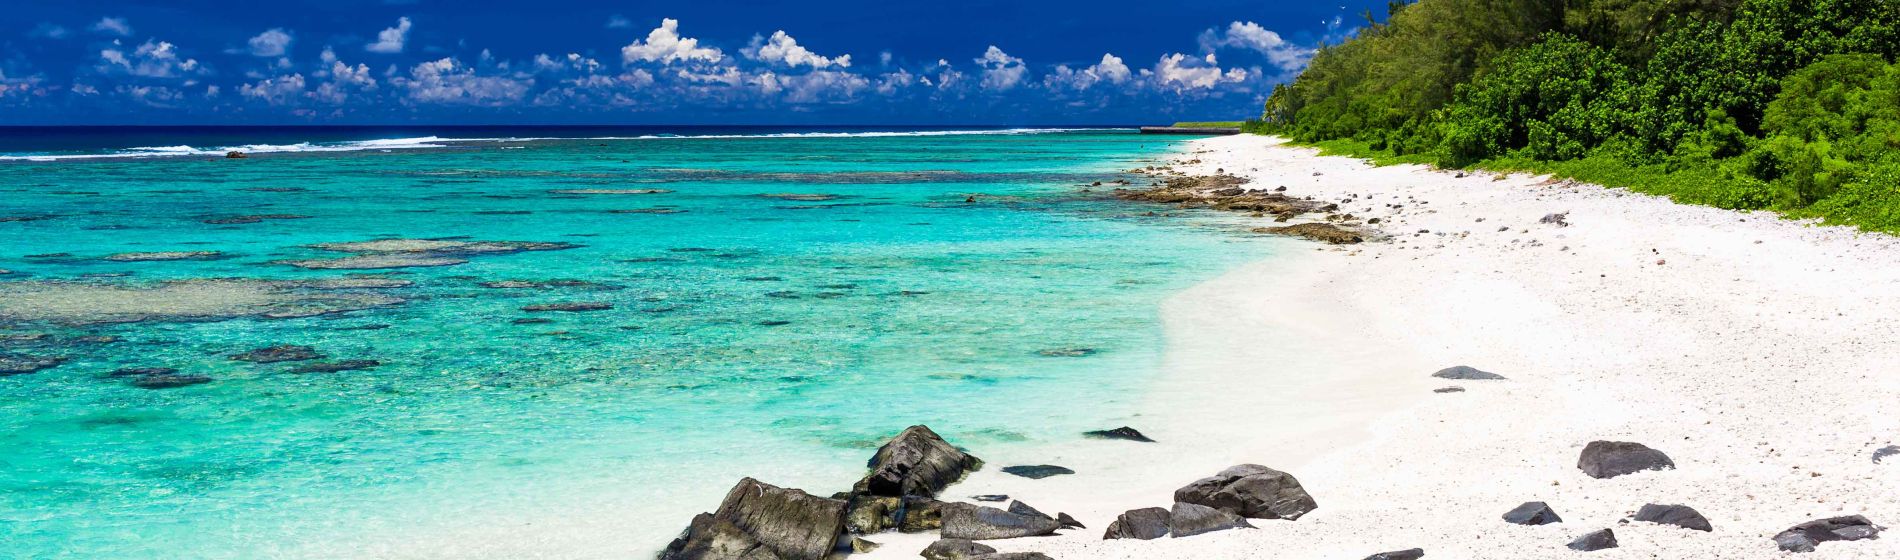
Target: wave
426,142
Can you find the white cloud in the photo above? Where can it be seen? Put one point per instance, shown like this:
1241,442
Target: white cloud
1110,70
783,49
276,91
391,40
272,42
618,21
724,75
448,81
153,59
1001,72
345,80
1249,35
156,96
113,26
664,45
890,83
823,86
1180,71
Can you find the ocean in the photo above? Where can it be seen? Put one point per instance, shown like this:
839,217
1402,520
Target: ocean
582,337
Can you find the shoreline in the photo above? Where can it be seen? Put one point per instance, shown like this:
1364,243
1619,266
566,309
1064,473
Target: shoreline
1696,334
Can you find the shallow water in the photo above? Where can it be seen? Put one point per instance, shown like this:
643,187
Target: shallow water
775,336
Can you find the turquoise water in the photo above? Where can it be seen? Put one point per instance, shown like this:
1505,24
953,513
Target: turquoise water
773,336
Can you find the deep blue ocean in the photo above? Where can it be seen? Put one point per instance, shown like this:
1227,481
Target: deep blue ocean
564,340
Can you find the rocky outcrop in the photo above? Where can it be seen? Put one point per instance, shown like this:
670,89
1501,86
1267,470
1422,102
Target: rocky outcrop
1317,231
1187,520
1532,513
956,549
1250,491
921,514
1122,433
917,462
1806,536
758,521
1466,373
1610,459
1594,540
17,364
978,523
1143,524
1679,515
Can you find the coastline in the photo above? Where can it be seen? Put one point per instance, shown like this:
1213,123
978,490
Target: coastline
1750,349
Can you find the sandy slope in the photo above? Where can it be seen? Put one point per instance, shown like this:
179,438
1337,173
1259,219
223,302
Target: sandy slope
1762,355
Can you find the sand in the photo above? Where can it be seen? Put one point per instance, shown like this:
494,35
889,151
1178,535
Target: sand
1759,353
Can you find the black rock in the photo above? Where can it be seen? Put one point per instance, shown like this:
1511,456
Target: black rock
1532,513
16,364
1556,219
956,549
1250,491
991,497
1411,554
860,546
1144,524
1609,459
1123,432
1037,471
169,381
865,515
1069,522
141,371
1886,452
279,353
1466,372
1806,536
1020,508
977,523
1187,520
1681,516
917,462
1449,390
532,321
921,514
1595,540
758,520
333,367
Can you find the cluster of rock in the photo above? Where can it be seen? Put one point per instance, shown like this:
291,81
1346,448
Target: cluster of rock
1225,192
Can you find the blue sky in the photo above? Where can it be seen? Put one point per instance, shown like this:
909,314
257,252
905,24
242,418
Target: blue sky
706,62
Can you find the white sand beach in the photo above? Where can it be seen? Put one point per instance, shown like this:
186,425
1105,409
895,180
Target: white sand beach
1759,353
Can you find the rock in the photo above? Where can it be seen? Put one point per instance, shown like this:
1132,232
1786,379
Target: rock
1069,522
1020,508
1886,452
609,191
1013,556
1681,516
991,497
1187,520
235,155
17,364
860,546
761,521
1466,373
169,381
1532,513
1144,524
921,514
1449,390
1037,472
1556,219
917,462
1124,432
1595,540
569,307
1409,554
1806,536
1316,231
531,321
279,353
974,522
1610,459
141,371
871,514
1250,491
1067,352
956,549
333,367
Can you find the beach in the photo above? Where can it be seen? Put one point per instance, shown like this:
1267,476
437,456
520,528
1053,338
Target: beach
1756,352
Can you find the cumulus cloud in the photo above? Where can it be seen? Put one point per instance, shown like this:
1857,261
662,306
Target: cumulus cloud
390,40
1180,71
783,49
113,26
448,81
153,59
823,86
276,91
892,82
664,45
1249,35
1110,70
272,42
1001,72
344,82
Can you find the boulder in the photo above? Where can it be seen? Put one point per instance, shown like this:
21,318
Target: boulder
1144,524
1466,373
921,514
279,353
1187,520
1532,513
235,155
956,549
1069,522
759,521
1037,472
1123,433
1885,452
872,514
917,462
1806,536
978,523
1409,554
1594,540
860,546
1020,508
1250,491
1610,459
1679,515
